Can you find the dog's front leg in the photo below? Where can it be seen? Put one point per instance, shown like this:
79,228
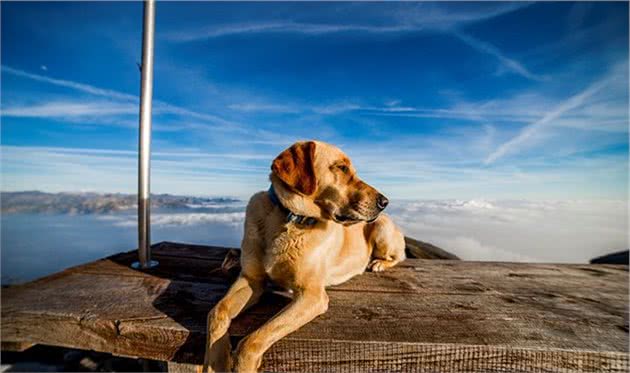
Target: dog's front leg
388,245
306,305
243,293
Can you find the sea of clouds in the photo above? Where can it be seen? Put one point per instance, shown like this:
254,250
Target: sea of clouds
175,219
569,231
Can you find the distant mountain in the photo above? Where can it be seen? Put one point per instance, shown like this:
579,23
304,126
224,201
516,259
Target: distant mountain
96,203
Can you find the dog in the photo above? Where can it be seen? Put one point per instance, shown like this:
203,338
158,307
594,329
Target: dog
318,225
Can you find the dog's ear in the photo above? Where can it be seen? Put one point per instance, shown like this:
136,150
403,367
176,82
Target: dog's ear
295,168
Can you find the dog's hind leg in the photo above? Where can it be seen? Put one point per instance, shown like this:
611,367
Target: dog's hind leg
388,245
244,292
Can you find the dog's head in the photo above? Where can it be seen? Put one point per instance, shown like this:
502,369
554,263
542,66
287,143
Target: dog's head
317,179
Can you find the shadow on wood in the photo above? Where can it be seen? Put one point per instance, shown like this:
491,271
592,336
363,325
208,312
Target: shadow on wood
187,303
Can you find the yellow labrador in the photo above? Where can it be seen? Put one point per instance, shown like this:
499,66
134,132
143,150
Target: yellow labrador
318,225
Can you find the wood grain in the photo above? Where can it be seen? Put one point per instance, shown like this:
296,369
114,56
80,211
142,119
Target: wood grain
184,368
424,315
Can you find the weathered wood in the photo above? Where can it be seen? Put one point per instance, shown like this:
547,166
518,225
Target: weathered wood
174,367
437,315
16,346
344,356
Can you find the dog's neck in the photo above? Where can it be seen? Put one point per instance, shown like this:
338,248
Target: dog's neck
299,209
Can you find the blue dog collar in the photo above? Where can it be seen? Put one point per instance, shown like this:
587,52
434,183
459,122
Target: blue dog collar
291,217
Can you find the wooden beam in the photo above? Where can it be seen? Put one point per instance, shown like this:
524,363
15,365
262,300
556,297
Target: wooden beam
16,346
428,315
184,368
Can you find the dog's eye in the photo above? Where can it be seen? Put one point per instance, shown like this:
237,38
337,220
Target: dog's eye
343,168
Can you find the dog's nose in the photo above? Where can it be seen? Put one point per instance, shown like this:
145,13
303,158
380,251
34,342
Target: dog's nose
381,201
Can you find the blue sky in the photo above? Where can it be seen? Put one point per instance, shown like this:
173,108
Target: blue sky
431,100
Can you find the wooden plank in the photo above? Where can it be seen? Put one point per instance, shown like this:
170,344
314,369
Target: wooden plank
183,368
189,251
542,314
343,356
15,346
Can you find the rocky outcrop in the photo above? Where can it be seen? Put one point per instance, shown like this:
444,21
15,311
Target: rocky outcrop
424,250
620,257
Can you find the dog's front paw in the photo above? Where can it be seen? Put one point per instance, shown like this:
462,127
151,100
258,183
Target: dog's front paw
247,364
378,265
246,359
220,355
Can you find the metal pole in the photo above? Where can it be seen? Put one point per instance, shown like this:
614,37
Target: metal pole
144,152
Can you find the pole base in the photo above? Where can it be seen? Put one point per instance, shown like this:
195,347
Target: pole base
151,264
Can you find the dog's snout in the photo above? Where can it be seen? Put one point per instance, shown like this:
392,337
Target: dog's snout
381,201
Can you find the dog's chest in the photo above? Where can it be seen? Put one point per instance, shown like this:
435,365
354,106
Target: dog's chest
294,256
283,256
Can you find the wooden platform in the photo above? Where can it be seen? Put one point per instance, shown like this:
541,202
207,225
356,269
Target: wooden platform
424,315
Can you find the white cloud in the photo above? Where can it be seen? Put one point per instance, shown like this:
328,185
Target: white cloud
122,110
176,219
65,109
604,111
446,164
518,230
86,88
506,62
469,248
74,108
282,26
417,17
267,108
421,17
72,169
572,231
530,130
294,108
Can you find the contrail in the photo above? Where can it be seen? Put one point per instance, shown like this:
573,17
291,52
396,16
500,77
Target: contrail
70,84
527,132
509,63
160,106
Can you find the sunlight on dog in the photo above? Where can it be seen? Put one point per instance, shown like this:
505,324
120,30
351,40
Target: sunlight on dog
318,225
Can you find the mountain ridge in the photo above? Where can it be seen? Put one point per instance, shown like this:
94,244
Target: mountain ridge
96,203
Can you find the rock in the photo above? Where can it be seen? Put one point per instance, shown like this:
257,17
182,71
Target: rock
620,257
88,364
73,356
424,250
